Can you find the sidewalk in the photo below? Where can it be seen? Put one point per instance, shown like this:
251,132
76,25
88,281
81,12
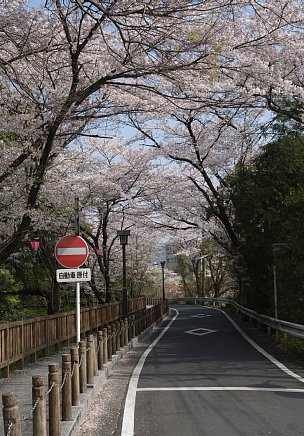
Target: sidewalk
20,383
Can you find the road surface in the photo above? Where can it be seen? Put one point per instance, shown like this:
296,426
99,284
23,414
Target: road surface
202,377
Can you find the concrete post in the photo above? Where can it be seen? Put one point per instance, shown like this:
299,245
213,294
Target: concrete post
11,415
100,349
118,333
83,367
126,331
66,388
38,402
90,359
114,334
54,400
109,343
105,345
122,333
75,376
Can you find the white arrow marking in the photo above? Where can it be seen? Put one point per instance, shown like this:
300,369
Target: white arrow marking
200,332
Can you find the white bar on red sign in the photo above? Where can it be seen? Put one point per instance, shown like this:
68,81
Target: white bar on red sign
73,275
65,251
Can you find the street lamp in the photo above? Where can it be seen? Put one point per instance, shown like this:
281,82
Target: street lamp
275,249
123,235
162,264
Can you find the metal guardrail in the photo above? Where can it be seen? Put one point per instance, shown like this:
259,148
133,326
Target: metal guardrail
288,328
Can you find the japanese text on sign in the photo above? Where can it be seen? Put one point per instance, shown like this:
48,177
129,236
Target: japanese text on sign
73,275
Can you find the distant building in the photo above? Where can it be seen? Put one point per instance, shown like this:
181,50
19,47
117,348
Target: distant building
171,260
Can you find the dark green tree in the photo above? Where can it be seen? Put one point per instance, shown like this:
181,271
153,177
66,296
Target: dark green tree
268,197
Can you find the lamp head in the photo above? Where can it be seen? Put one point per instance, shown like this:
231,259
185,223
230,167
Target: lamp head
123,235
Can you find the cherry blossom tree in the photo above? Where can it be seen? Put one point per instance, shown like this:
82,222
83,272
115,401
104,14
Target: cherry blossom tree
64,69
199,81
113,183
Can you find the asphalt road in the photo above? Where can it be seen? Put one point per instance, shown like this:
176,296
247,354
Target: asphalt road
203,378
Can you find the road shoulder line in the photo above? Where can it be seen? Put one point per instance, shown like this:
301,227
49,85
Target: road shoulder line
128,416
272,359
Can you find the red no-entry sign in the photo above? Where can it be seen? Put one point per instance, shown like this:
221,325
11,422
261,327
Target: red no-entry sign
71,251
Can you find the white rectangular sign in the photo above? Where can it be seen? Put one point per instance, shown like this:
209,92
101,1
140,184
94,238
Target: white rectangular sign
73,275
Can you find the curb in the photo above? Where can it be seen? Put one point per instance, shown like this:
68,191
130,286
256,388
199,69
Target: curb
70,428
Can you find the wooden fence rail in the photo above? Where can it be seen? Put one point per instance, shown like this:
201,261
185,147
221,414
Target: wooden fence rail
26,338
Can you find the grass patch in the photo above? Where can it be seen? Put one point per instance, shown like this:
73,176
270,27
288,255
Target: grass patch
290,346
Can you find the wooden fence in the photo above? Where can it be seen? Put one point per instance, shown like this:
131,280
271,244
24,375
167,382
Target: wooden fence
26,338
79,367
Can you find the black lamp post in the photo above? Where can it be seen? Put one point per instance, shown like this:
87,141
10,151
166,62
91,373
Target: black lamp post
276,247
123,235
162,264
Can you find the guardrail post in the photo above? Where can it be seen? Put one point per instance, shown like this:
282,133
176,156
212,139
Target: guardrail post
83,367
54,400
66,388
100,349
11,415
38,402
75,376
90,359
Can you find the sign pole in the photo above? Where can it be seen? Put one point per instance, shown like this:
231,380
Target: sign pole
78,312
77,232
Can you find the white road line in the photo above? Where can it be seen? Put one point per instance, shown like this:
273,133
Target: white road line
220,388
128,417
262,351
129,411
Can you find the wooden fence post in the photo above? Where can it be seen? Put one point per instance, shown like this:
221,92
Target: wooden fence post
75,376
90,359
38,402
83,367
54,400
66,388
11,415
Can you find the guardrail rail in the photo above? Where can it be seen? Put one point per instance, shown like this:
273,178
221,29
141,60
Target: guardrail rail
288,328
